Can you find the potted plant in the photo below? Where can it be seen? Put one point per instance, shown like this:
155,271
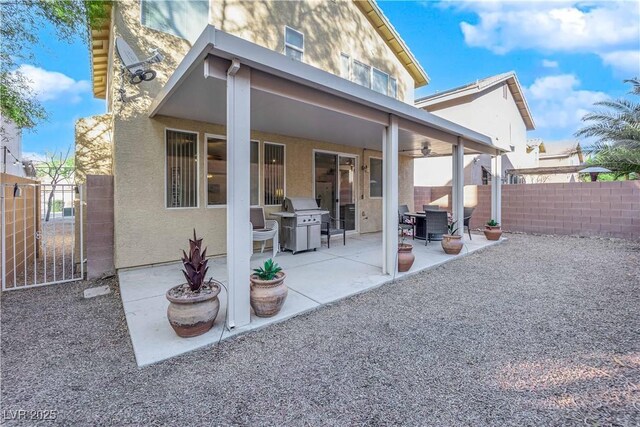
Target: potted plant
492,230
194,305
268,290
405,256
452,242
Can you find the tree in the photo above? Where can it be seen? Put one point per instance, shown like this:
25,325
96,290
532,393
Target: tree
56,168
21,24
617,132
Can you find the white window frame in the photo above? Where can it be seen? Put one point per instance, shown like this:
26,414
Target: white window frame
166,155
206,169
353,74
349,59
396,82
284,170
369,182
289,45
382,72
145,25
259,172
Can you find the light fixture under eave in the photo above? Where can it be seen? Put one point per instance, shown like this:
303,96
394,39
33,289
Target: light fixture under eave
425,151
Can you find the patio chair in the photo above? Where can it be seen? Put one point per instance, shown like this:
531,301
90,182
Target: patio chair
432,208
467,218
331,226
405,222
264,229
436,224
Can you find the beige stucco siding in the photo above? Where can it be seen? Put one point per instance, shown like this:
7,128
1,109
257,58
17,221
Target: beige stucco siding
93,146
489,113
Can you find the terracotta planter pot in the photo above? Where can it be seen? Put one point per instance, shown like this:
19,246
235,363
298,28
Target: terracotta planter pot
452,244
268,296
492,232
405,257
193,314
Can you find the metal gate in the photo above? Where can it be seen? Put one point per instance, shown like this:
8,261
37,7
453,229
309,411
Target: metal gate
42,235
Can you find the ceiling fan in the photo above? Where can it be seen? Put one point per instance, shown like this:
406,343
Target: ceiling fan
425,151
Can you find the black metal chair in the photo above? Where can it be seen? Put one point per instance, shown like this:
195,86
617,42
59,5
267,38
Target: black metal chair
327,228
467,218
405,222
436,224
432,208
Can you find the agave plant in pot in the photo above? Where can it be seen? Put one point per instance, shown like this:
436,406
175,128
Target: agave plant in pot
268,290
492,230
452,242
194,305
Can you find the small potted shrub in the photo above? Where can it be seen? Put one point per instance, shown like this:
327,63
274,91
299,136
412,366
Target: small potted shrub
194,305
492,230
452,242
405,256
268,290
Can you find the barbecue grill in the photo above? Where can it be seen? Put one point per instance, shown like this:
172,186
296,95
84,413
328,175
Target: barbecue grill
300,221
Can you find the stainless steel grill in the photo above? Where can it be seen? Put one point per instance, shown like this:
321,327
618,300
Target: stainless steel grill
300,221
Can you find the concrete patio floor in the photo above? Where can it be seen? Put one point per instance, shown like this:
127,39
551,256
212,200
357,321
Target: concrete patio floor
313,278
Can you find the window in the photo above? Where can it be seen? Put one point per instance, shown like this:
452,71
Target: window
375,177
345,66
293,43
504,91
274,174
216,171
182,169
254,174
184,19
380,81
361,73
393,87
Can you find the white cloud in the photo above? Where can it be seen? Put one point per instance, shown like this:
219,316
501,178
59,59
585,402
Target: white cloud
36,157
558,103
52,85
546,63
626,62
554,26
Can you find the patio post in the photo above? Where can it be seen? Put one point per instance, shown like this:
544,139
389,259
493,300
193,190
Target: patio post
496,188
457,187
390,197
238,203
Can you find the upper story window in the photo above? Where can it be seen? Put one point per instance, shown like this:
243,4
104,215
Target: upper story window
368,76
186,18
293,43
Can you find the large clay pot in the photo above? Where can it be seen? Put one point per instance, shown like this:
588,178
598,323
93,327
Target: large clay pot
192,314
405,257
452,244
268,296
492,232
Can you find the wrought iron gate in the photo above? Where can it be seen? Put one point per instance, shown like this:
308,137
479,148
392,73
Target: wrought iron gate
42,234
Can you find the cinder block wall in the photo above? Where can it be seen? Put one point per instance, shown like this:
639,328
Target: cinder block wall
607,209
98,228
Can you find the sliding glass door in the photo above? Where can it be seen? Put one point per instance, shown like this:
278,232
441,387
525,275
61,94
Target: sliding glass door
335,186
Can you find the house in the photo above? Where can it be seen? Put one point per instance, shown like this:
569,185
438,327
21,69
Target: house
11,150
494,106
255,102
558,161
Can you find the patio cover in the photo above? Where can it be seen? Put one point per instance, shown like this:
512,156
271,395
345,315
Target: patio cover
224,79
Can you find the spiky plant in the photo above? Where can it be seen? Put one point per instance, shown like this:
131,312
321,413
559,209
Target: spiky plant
452,228
268,271
492,223
195,264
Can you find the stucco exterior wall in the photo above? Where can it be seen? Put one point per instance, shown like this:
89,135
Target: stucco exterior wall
94,146
11,137
489,113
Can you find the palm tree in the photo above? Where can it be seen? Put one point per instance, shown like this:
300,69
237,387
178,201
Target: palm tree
617,132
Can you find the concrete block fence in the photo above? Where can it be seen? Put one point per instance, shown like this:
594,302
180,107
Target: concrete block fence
606,209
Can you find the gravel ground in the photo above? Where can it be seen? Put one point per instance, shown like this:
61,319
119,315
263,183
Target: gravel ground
535,331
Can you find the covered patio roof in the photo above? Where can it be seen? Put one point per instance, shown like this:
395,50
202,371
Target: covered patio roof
289,97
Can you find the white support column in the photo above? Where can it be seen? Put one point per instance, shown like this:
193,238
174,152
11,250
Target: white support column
457,185
496,188
238,203
390,197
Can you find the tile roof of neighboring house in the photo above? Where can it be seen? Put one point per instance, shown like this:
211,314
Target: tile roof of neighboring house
99,41
480,85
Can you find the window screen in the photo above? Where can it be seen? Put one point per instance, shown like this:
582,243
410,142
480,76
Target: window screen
345,66
393,87
182,169
186,18
274,174
293,43
216,171
380,82
375,177
361,74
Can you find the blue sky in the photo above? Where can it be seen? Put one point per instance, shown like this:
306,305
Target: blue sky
567,55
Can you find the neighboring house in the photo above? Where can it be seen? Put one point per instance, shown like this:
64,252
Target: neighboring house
559,161
255,102
494,106
11,160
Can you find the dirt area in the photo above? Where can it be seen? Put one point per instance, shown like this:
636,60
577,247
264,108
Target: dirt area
538,331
